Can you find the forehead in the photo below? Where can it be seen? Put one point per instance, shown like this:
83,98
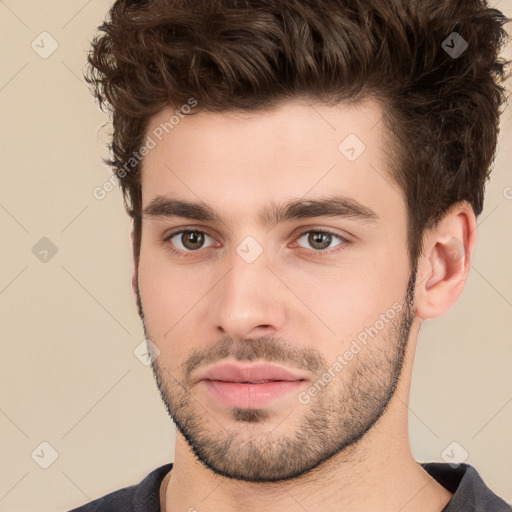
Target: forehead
242,161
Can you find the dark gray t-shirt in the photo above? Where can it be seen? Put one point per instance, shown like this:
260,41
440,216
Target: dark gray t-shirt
470,494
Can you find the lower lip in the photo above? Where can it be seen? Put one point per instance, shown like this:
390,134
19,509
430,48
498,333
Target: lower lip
237,394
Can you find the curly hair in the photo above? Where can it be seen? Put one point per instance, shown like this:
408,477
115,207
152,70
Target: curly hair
441,101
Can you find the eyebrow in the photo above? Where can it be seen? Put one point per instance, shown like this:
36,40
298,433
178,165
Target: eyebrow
332,206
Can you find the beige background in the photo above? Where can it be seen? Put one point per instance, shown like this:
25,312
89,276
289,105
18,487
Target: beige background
68,373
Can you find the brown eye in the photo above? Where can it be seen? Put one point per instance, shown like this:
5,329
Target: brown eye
188,240
320,240
192,240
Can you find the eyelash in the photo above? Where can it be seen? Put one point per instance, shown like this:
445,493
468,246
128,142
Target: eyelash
326,252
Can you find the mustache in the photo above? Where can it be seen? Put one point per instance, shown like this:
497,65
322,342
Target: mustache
268,349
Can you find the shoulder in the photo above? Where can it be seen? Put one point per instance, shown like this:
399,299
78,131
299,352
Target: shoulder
140,497
470,493
119,500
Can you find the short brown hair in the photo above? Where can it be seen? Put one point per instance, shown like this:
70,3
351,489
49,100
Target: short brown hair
441,109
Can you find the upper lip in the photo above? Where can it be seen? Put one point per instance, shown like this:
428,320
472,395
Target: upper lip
230,372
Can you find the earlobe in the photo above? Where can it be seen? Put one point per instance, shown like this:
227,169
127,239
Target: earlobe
135,281
135,278
444,266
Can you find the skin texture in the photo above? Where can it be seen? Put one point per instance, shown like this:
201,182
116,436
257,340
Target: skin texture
348,446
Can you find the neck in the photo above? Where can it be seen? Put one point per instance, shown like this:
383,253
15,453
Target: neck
378,473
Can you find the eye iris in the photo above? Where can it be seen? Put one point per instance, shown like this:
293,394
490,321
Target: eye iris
195,239
192,239
315,237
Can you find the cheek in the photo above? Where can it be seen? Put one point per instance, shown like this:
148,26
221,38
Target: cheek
158,291
169,293
346,302
352,297
165,303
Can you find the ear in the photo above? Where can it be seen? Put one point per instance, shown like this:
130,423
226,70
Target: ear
135,280
135,275
445,262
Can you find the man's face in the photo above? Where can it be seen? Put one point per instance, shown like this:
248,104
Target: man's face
334,309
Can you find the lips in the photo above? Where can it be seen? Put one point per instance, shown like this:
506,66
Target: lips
255,373
249,396
251,386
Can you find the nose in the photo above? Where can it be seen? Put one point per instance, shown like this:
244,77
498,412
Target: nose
249,300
